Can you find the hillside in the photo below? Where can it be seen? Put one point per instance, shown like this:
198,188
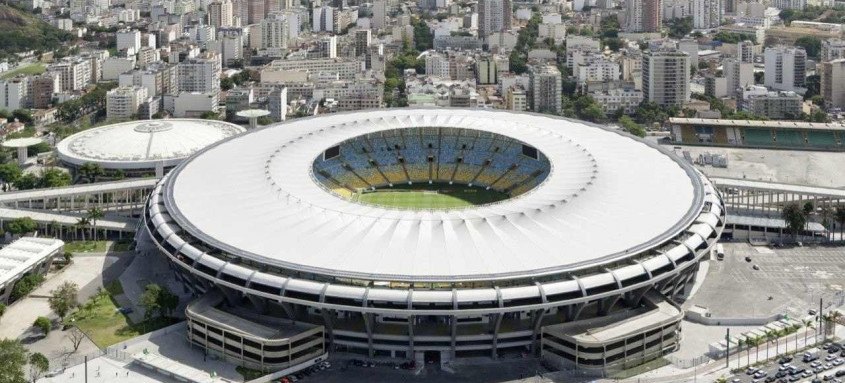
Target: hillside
21,31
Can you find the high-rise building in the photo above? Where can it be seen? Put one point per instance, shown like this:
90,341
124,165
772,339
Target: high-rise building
666,77
129,40
642,15
220,14
707,14
14,93
493,16
123,102
786,68
43,87
323,19
745,51
738,75
546,87
328,47
200,74
255,11
832,49
277,103
74,74
833,83
379,18
274,32
363,38
229,44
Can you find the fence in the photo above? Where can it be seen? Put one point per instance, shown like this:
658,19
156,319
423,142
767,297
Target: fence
71,360
688,363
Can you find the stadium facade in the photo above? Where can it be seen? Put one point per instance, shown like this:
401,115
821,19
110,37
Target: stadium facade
602,231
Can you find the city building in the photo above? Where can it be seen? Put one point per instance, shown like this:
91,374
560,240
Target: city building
707,14
643,16
128,40
200,74
833,83
738,75
785,68
74,74
493,16
613,100
832,49
546,87
221,14
14,93
774,105
666,77
43,87
516,99
123,102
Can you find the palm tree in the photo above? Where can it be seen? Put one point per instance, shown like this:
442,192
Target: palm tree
82,223
830,322
93,215
796,327
808,324
750,341
840,218
770,336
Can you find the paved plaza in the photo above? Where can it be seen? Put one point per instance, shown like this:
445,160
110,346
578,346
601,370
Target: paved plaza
789,281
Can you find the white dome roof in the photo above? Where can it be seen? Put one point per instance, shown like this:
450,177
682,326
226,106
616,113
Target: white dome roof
143,144
608,197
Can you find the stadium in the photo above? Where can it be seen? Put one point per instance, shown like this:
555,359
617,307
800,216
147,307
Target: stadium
142,147
430,235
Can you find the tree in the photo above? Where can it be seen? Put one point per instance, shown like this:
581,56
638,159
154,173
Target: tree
38,365
2,309
631,127
150,300
9,172
76,336
808,324
158,299
210,115
64,299
93,215
82,224
90,171
771,335
12,361
808,207
811,44
44,324
25,285
840,219
678,28
52,178
795,218
21,225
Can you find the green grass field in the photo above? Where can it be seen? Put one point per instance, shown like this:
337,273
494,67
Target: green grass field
435,196
31,69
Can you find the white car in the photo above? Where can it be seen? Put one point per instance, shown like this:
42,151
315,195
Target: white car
830,357
838,361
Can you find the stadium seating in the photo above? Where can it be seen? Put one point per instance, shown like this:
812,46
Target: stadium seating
822,139
789,138
758,137
486,160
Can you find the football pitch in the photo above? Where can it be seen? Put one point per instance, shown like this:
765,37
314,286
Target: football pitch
435,196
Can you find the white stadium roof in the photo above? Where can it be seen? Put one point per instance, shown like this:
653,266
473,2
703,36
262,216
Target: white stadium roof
143,144
21,255
607,197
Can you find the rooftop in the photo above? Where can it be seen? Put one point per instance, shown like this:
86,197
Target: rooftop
143,144
593,208
19,256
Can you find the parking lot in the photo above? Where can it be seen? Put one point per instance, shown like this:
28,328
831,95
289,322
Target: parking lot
787,281
827,365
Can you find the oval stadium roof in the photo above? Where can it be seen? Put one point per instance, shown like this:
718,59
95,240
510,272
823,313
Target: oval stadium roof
608,196
143,144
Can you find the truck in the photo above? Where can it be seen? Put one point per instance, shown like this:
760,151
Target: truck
811,355
720,251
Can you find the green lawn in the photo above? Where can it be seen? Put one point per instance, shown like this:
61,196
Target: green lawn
643,368
87,246
435,196
99,319
31,69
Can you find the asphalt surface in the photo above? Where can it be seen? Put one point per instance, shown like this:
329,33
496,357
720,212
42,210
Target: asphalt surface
835,361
